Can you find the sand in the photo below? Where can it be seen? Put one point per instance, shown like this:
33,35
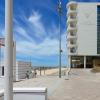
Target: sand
49,71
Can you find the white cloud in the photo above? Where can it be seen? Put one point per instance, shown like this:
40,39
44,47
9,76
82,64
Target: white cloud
23,33
48,47
36,20
53,30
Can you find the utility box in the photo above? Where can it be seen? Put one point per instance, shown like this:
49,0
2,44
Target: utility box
30,94
27,94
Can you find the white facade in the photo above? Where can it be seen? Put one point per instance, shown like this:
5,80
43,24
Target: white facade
87,29
82,30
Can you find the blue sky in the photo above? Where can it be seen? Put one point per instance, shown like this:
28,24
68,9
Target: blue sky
35,29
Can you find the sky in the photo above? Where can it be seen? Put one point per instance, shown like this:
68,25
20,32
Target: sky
36,30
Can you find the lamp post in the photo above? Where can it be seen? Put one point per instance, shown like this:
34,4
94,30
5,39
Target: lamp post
60,51
8,92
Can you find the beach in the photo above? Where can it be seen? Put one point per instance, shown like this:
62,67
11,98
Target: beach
51,71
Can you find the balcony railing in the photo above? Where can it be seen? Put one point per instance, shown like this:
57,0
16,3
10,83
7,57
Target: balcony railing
71,20
72,12
69,29
69,37
72,3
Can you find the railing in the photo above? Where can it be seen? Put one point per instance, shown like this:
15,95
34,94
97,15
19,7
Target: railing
72,3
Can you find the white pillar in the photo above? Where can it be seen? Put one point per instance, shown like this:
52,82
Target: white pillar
69,61
84,62
8,93
14,60
68,67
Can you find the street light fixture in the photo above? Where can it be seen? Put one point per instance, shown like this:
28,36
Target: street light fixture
59,9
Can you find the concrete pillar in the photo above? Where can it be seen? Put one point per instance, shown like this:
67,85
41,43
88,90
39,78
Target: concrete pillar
14,60
69,61
8,92
84,62
68,68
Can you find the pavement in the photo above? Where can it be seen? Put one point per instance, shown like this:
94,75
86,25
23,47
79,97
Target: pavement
80,85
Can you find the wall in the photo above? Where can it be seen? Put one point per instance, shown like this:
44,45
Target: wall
21,69
87,29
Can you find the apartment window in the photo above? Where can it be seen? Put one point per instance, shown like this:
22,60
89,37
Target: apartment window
98,29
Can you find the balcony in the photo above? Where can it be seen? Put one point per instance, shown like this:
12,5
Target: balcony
72,12
69,37
69,53
70,45
71,29
72,20
72,51
72,4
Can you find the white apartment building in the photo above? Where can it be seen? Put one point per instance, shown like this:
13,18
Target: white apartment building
83,33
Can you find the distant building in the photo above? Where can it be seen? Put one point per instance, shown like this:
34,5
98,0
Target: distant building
22,68
2,44
83,33
19,71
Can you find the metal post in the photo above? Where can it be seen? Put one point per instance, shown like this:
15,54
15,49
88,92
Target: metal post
8,93
40,71
30,61
59,47
44,70
60,51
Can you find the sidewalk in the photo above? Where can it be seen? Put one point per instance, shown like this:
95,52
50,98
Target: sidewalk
82,85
